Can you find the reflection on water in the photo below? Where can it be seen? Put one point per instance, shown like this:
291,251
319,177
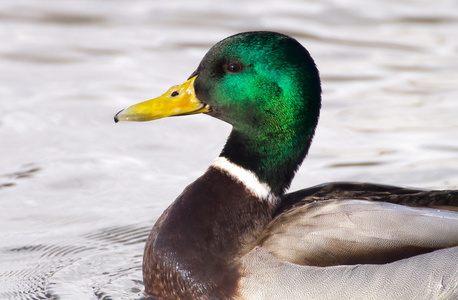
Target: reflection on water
79,194
9,179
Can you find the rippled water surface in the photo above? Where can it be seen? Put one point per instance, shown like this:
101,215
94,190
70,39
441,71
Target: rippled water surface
79,193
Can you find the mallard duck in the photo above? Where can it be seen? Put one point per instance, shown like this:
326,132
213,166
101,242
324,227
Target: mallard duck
234,233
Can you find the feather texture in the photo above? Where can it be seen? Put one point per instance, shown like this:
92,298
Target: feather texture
333,232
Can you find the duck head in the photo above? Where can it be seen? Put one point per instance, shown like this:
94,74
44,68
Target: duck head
266,86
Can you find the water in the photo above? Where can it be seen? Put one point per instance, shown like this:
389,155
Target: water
80,193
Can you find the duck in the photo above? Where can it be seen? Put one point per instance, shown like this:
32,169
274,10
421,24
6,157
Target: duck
234,233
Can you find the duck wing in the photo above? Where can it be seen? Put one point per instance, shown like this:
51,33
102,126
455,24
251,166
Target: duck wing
443,199
354,249
351,231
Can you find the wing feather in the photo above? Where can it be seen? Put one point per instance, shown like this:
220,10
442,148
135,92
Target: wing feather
332,232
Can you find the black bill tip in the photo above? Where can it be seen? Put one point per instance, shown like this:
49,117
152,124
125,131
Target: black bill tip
116,116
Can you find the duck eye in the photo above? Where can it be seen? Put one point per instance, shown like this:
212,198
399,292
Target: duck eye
234,68
174,94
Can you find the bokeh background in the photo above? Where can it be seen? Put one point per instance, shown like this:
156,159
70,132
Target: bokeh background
79,193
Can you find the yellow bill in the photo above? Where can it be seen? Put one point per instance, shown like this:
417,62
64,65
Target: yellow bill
178,100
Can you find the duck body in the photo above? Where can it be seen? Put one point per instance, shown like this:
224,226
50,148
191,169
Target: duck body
234,234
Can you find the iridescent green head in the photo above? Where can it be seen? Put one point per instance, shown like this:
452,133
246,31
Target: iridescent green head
254,78
267,86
